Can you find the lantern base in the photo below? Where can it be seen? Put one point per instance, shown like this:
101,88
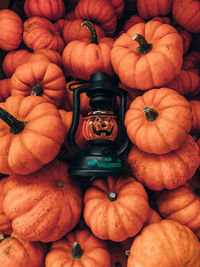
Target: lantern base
99,160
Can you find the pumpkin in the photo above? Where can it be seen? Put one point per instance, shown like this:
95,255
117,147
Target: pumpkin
187,39
5,89
52,10
134,19
31,134
83,58
18,252
115,208
153,217
40,33
100,11
147,9
165,171
11,30
166,243
59,25
181,204
14,59
166,20
186,83
195,104
187,14
119,6
5,222
148,55
159,121
191,61
44,205
75,30
39,78
78,248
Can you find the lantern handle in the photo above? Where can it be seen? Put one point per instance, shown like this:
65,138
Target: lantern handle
122,94
75,118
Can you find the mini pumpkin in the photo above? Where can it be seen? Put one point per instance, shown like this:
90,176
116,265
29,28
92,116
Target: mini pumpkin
31,134
5,89
195,104
159,121
115,208
168,170
78,248
44,205
166,243
154,62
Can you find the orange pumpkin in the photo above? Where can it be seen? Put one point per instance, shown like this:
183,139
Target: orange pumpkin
159,121
181,204
45,205
148,9
31,134
195,104
187,14
166,243
11,30
40,33
157,59
5,222
191,61
13,59
39,78
115,208
5,89
83,58
168,170
134,19
78,248
100,11
18,252
52,10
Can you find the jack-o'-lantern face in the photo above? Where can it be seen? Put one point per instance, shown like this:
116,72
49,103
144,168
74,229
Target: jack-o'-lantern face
100,127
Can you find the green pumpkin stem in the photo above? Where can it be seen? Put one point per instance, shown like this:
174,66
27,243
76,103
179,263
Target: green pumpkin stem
15,125
37,90
112,196
77,251
144,47
92,30
151,114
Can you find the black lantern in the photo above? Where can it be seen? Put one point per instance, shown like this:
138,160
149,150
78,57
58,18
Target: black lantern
100,128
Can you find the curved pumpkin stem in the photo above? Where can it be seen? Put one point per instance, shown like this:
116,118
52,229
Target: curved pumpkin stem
37,90
92,31
77,251
151,114
15,125
144,47
112,196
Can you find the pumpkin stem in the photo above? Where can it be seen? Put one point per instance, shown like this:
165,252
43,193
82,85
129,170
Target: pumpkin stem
151,114
37,90
92,30
15,125
127,252
59,183
77,251
112,196
144,47
1,237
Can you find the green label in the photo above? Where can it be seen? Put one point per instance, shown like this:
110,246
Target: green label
107,163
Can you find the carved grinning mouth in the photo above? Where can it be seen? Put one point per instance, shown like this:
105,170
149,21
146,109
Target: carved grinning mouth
102,131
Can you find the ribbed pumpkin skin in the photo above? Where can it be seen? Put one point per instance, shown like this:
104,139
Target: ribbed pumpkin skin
165,133
191,61
47,75
165,171
11,30
14,59
182,205
149,9
115,219
95,252
5,222
40,33
167,243
187,14
195,104
45,205
100,11
51,9
40,140
18,252
155,68
5,86
52,55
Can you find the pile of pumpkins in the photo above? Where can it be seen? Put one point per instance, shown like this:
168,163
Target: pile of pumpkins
149,219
